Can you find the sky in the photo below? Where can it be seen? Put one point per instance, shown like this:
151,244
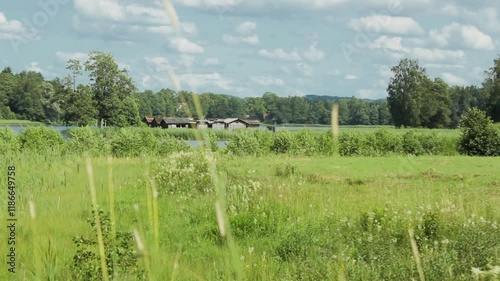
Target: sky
246,48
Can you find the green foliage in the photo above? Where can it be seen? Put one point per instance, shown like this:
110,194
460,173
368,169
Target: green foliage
85,140
411,144
119,253
304,143
185,173
286,171
40,139
168,145
351,144
9,142
245,142
130,142
326,144
283,142
479,136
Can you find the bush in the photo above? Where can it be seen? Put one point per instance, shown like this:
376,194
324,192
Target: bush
132,142
411,144
40,139
185,173
304,143
9,143
350,144
283,142
245,143
119,252
86,140
326,144
479,136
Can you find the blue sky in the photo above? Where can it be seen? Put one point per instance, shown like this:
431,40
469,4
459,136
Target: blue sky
245,48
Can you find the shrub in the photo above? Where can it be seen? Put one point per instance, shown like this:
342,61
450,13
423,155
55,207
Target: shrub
326,144
244,142
479,136
304,143
411,144
9,142
283,142
167,145
40,139
387,142
131,142
185,173
350,144
86,140
119,252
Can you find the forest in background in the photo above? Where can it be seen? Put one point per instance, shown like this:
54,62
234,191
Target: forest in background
414,99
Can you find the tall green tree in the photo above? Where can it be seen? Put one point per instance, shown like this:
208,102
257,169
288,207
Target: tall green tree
79,107
26,99
111,89
403,93
492,87
7,85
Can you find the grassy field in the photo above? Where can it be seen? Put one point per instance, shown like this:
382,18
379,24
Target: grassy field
19,123
288,218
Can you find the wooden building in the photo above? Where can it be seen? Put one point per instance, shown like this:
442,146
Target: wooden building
177,122
251,123
148,120
216,124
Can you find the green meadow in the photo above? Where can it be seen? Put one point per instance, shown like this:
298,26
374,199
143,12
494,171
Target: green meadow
269,209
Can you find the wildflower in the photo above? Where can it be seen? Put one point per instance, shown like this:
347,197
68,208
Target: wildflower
250,250
476,271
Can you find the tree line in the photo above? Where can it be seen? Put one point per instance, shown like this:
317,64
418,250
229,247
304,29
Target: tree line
416,100
110,97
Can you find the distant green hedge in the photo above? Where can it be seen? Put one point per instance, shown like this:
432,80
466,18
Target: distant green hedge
134,142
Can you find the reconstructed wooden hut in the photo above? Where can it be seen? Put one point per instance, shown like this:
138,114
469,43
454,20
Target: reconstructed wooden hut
148,120
251,123
156,122
234,123
177,122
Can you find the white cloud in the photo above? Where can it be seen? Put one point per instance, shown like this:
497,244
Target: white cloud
183,45
453,79
466,35
211,61
350,77
204,81
34,66
444,66
15,30
246,27
390,43
438,55
229,5
280,54
304,69
386,24
105,9
487,18
187,27
160,64
313,54
267,81
250,40
65,56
